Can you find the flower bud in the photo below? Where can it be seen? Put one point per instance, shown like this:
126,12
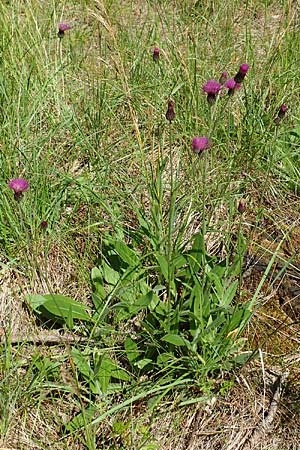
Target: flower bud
170,114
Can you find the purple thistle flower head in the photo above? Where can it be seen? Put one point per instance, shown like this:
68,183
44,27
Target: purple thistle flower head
231,86
156,53
170,114
212,88
62,27
44,224
18,185
281,113
283,108
241,207
199,144
244,68
223,77
241,73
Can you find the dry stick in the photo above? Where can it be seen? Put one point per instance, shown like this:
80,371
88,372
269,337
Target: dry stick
46,339
253,435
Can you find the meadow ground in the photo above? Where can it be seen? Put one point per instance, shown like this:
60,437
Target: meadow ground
149,292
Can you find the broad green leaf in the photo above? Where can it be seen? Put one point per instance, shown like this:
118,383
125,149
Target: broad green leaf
85,417
155,299
120,374
58,306
175,339
82,363
230,293
141,303
164,358
69,320
110,275
104,373
96,275
179,262
143,363
97,280
198,251
161,308
126,254
35,301
219,269
163,265
131,349
98,302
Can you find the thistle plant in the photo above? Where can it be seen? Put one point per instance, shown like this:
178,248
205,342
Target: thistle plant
62,28
212,89
19,186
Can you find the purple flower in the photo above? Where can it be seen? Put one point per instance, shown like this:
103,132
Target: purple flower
156,52
241,207
231,86
223,77
18,185
170,114
199,144
62,27
44,224
212,88
281,113
241,73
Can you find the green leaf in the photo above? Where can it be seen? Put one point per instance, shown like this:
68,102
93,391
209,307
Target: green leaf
96,275
104,374
35,301
175,339
98,302
120,374
163,265
164,358
81,361
197,252
142,303
131,349
110,275
58,306
126,253
143,363
177,88
70,321
229,294
85,417
97,280
150,447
